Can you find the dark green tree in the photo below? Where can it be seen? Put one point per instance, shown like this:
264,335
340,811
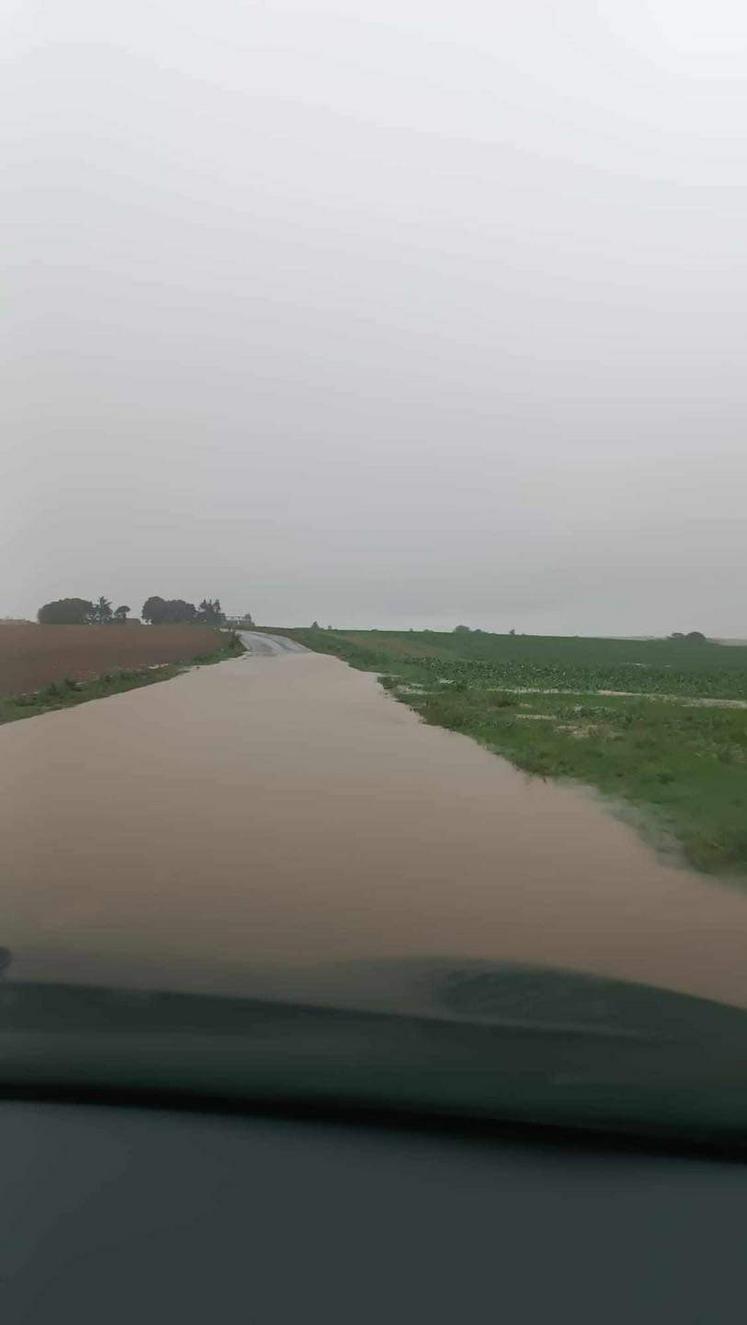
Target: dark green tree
66,612
102,611
210,612
178,612
153,610
120,614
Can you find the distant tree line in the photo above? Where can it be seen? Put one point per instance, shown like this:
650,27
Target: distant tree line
82,612
157,611
172,611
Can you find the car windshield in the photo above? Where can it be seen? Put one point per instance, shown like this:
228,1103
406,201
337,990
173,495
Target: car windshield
373,663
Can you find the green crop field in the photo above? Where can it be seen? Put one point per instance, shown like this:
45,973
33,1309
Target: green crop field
657,725
660,667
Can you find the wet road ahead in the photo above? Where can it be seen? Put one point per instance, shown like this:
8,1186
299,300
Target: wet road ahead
279,810
262,645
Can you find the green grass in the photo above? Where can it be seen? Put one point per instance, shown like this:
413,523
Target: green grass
567,663
69,692
680,768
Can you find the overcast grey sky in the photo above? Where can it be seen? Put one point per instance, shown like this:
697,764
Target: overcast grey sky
388,312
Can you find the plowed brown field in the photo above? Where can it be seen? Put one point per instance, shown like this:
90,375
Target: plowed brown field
32,656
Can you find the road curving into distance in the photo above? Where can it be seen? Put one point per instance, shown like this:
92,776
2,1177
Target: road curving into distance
263,645
280,813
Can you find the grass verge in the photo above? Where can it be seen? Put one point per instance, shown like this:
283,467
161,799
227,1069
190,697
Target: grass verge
680,768
69,692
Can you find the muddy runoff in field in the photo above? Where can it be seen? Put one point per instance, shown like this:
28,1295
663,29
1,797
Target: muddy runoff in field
279,824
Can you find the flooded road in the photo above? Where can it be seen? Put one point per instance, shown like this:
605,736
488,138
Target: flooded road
281,811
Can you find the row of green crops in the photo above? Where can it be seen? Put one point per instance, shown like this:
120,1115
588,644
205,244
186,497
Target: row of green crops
656,667
582,677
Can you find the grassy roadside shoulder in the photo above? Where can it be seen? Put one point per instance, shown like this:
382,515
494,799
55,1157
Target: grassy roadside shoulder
678,770
69,692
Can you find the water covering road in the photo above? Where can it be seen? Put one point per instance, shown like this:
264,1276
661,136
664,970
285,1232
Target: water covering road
279,812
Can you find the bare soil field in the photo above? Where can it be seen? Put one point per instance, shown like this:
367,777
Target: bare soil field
33,656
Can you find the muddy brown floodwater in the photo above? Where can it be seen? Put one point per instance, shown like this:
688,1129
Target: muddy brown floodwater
275,813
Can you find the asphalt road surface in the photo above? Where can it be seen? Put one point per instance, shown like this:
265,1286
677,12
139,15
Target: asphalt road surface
280,813
269,646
